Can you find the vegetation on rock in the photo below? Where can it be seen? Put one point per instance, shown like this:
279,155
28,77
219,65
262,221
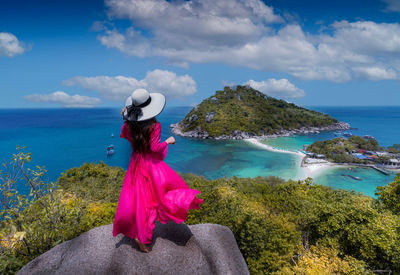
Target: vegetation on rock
339,149
248,110
282,227
395,149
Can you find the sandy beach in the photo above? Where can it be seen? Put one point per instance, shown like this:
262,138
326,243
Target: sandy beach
304,171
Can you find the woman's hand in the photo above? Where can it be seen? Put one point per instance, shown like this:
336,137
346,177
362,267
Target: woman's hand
170,140
123,111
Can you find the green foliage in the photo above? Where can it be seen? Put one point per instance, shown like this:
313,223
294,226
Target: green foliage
98,214
318,260
389,195
394,149
9,262
94,182
32,224
281,227
345,158
339,149
346,224
251,111
361,143
266,239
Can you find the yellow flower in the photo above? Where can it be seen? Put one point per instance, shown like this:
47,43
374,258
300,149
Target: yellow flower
13,241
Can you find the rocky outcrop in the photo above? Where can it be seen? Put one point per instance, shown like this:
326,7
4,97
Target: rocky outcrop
194,117
209,116
176,249
177,129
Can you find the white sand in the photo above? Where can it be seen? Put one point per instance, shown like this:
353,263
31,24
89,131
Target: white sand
273,149
314,170
309,170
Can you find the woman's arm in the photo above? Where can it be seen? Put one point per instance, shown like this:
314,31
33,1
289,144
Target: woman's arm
170,140
125,131
159,148
123,111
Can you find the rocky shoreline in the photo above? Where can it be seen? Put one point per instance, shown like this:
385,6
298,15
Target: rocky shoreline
176,129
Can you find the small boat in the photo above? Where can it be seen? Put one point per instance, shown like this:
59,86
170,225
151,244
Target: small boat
338,133
110,150
353,177
347,134
368,137
112,135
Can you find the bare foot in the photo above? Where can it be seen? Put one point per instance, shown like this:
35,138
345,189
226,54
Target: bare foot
142,246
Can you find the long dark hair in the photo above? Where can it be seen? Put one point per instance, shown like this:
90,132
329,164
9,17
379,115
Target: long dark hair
140,132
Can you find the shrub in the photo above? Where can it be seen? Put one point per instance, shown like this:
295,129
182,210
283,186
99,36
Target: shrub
34,223
389,195
95,182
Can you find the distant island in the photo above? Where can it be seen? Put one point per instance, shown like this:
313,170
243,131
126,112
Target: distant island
355,150
243,112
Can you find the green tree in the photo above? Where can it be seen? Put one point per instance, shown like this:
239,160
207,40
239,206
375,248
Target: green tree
32,224
389,195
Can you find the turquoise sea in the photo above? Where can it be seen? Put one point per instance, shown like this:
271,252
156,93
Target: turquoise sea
63,138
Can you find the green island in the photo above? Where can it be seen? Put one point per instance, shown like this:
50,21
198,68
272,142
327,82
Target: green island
356,150
242,112
281,227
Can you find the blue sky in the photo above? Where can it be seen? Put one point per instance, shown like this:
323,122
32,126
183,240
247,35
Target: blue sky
95,53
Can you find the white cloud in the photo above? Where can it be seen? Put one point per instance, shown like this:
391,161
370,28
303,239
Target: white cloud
119,87
375,73
280,88
240,33
64,99
206,22
10,45
393,5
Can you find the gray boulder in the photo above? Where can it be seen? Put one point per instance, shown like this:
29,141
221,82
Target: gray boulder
176,249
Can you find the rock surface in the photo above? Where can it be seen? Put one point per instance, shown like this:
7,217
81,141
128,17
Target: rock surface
176,249
209,117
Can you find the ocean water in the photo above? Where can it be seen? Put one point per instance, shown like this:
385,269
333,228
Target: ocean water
381,122
63,138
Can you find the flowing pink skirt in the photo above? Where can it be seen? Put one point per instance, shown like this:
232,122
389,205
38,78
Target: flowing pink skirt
151,190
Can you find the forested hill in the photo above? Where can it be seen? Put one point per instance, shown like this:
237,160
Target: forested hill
244,109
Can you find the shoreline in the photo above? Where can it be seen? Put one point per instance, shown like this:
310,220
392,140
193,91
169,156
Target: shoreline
305,170
176,129
311,170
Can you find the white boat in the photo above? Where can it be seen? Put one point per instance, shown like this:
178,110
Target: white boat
368,137
110,150
353,177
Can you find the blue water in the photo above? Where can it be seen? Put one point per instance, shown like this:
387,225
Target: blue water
63,138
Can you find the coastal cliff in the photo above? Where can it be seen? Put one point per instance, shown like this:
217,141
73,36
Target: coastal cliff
243,112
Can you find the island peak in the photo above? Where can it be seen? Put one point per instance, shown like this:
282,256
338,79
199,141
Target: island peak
240,112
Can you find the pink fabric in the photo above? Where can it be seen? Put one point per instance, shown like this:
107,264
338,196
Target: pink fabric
151,190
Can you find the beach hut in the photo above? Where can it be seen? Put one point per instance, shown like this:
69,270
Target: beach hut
359,156
373,157
394,162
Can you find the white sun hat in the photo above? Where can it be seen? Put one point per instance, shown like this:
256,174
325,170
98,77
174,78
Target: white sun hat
142,105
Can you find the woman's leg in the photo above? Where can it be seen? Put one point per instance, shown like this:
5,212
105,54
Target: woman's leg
143,247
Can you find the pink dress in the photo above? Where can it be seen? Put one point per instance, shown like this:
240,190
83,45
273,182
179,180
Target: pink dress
151,190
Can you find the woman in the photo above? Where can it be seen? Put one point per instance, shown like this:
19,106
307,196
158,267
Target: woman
151,189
